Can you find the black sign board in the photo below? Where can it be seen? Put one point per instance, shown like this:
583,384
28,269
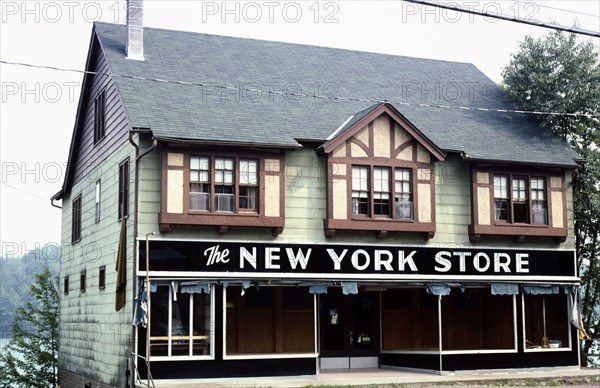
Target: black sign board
331,260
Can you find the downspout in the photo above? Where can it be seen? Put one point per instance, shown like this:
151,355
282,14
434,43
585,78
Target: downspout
53,204
138,156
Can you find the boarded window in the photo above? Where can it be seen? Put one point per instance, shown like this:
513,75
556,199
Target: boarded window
99,116
76,220
123,189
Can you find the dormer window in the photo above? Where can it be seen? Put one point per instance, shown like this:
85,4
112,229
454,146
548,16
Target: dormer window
224,189
382,173
518,203
526,205
228,183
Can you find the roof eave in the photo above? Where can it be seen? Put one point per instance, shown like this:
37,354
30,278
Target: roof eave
575,165
222,143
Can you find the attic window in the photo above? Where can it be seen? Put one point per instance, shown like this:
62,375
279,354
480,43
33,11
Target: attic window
99,116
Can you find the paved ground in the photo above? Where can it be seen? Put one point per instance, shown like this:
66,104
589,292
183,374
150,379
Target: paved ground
395,378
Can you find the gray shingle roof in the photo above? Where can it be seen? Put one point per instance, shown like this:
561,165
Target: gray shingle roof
211,113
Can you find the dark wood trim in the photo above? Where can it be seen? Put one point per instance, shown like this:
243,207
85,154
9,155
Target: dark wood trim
371,133
402,147
362,145
517,230
379,225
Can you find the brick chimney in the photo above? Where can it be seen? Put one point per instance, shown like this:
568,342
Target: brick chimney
135,30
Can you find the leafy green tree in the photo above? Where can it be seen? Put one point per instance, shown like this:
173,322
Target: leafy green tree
30,358
559,73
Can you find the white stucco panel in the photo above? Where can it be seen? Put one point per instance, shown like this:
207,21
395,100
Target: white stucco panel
272,165
556,201
357,151
381,137
175,159
556,182
340,199
175,191
483,178
272,196
423,155
400,136
424,192
484,216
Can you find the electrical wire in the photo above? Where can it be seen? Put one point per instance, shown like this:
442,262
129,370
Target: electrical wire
506,18
315,96
557,9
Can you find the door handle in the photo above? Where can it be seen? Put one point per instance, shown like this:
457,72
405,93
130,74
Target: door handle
351,338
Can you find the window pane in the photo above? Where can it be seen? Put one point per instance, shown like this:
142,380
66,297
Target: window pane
381,179
501,209
360,203
180,325
476,320
519,189
159,321
409,311
257,308
202,327
247,198
194,163
546,321
360,176
228,177
501,186
538,189
403,206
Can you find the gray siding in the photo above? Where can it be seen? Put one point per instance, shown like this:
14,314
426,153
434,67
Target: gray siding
89,156
95,341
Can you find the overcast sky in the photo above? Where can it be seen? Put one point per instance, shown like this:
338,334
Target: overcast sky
38,106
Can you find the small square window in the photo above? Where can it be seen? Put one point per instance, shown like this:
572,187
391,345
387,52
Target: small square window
102,277
66,285
82,281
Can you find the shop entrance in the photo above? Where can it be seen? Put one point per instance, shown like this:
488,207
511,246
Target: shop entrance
349,330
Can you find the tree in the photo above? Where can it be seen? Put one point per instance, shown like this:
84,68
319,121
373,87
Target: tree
560,74
30,358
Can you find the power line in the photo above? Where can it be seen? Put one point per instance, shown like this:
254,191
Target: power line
473,11
558,9
315,96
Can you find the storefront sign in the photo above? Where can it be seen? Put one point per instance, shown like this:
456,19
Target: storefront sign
330,259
